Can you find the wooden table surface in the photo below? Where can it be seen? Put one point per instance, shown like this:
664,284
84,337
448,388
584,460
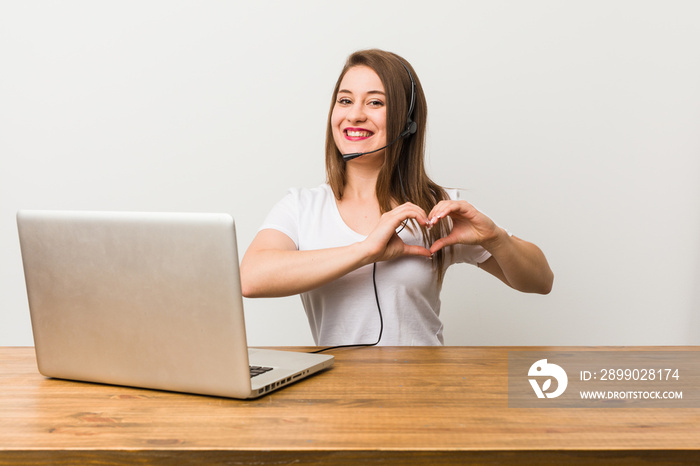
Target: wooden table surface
437,405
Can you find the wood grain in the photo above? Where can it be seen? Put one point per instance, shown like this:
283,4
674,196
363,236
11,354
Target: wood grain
437,405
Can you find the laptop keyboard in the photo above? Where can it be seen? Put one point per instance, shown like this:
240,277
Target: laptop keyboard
257,370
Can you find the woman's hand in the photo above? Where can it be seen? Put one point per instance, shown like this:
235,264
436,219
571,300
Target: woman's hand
469,226
517,263
383,244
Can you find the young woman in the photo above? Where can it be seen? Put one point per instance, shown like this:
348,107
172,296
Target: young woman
367,250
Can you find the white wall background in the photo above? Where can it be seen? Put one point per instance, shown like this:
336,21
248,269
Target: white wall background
574,124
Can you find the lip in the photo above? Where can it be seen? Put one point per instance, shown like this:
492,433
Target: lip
357,134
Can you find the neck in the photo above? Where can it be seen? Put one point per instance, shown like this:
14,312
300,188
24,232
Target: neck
360,188
362,175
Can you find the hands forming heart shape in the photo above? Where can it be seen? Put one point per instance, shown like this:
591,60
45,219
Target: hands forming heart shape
469,226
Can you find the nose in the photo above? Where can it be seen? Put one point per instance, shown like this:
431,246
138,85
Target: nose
356,112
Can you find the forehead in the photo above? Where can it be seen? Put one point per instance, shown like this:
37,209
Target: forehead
359,79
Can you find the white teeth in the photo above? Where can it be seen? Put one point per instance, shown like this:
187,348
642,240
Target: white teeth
359,134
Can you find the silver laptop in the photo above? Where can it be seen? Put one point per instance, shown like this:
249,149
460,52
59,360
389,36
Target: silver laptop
148,300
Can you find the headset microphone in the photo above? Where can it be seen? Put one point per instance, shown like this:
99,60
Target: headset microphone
355,155
411,125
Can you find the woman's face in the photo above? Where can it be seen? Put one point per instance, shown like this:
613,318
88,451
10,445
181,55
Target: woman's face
358,119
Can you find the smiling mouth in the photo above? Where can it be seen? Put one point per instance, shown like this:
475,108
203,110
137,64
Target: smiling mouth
352,133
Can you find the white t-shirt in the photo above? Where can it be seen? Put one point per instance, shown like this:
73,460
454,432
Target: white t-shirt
345,311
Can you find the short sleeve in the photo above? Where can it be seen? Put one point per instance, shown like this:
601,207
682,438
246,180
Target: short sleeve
468,254
284,216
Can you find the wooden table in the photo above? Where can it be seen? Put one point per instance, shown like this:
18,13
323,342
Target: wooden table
444,405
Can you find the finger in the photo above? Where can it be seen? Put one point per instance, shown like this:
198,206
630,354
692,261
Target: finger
390,221
406,211
413,250
441,243
440,205
441,210
449,208
416,211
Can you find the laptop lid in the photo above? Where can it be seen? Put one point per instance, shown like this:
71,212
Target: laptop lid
142,299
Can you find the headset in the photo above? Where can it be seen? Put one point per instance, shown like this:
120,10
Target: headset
410,129
411,125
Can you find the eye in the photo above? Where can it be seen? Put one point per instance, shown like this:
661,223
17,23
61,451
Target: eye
344,101
375,103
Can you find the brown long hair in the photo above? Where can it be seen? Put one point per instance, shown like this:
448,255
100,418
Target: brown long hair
403,177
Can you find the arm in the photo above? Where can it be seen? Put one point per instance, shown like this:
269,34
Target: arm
274,254
273,267
519,264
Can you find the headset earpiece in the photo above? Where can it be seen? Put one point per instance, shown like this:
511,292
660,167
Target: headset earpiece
411,128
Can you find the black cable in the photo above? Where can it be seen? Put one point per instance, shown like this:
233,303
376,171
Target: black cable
376,295
381,319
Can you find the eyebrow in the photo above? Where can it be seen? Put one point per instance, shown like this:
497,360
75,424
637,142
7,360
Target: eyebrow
345,91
